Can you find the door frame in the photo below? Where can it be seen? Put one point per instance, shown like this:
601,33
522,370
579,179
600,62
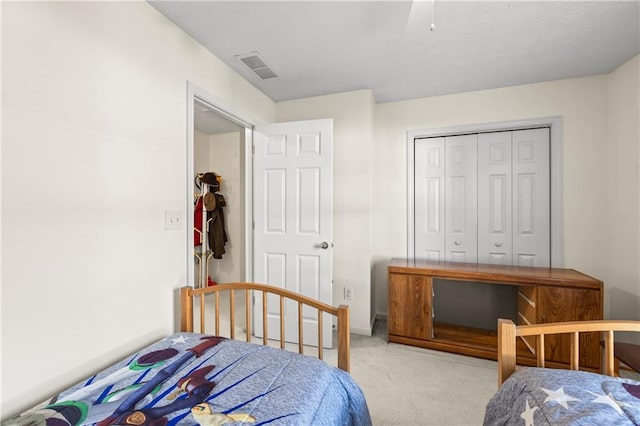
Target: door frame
195,93
555,149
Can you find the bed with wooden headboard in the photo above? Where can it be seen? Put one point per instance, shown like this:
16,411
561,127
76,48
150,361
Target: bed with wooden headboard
545,396
212,379
190,297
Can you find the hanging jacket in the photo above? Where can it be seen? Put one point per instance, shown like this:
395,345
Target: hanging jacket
217,236
197,222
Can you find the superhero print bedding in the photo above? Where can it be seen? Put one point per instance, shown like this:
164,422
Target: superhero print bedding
192,379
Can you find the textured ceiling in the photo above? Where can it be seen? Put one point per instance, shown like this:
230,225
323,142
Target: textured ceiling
318,48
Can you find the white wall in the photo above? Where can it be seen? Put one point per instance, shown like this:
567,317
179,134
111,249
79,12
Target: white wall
94,101
200,152
352,115
93,152
600,171
583,104
226,154
623,285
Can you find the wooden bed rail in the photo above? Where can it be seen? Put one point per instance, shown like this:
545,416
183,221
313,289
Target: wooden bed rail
188,294
508,332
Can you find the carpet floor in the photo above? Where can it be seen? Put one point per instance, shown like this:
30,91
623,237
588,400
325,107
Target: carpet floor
405,385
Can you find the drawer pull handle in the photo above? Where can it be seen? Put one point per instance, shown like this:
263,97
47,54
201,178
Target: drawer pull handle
498,244
457,243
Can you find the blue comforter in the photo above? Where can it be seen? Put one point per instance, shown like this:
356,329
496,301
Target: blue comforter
542,396
195,379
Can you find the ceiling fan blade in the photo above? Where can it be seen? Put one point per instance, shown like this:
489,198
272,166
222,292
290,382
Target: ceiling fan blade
420,21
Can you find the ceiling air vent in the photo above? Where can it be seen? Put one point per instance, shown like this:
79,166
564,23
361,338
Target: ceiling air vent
256,64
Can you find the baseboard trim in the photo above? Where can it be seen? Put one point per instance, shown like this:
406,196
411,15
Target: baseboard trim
361,331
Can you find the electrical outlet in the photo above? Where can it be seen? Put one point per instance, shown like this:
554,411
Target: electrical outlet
347,293
173,220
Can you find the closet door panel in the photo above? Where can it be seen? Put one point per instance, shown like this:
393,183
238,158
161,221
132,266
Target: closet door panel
461,239
531,205
494,198
429,177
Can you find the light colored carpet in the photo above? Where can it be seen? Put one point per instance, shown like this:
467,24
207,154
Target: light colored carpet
405,385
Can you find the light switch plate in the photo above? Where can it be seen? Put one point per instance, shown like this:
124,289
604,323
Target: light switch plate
173,220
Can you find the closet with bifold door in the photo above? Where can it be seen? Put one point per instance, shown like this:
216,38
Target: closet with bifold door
483,198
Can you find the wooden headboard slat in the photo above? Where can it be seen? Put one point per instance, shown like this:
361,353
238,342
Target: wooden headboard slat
608,357
202,329
342,313
217,313
265,323
319,334
300,329
247,312
575,350
508,332
282,322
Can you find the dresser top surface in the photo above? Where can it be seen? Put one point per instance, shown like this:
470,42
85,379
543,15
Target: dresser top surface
495,273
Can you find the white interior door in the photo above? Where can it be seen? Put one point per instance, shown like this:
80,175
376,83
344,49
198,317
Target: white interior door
292,184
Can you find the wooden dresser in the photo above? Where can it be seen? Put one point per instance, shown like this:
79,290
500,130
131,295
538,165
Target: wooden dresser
543,295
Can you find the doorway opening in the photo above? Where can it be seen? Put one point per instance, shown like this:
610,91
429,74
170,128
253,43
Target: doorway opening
221,143
218,143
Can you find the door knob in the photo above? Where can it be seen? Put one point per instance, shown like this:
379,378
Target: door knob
324,245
